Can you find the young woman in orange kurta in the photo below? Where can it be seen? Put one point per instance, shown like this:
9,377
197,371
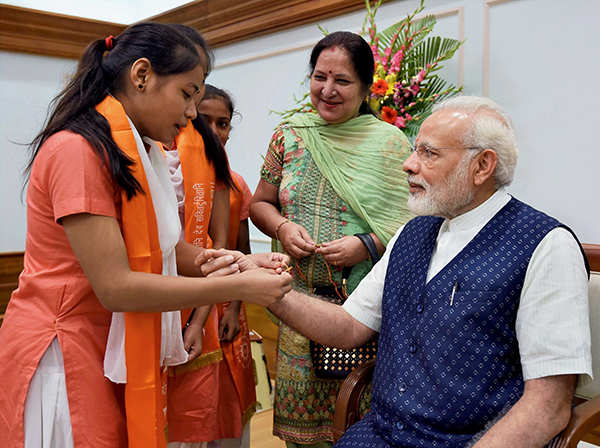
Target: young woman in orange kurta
97,219
212,398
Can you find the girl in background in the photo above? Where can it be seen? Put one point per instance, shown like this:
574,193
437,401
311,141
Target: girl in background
101,245
217,109
212,398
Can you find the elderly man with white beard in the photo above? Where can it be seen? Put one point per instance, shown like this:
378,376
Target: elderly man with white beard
480,301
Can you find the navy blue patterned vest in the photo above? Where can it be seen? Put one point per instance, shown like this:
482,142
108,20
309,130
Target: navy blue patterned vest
449,362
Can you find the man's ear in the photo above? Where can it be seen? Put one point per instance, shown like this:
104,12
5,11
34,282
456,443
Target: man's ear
140,73
485,166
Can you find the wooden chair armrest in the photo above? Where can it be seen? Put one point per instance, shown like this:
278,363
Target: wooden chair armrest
584,418
348,399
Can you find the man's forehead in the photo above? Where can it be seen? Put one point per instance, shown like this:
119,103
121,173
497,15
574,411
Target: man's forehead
444,124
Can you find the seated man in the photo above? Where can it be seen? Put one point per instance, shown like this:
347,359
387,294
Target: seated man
480,302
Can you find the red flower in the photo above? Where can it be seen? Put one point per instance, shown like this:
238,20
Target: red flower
379,87
388,114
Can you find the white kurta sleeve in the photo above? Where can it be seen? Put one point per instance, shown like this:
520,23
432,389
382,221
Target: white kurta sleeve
553,327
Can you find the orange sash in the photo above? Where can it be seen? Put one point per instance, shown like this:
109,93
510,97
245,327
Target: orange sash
199,187
145,396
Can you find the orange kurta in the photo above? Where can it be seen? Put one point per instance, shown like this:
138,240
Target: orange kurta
237,353
192,397
55,299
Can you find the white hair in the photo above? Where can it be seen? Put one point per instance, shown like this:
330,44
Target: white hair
491,128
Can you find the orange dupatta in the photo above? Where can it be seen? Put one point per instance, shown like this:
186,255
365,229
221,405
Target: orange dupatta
199,187
145,396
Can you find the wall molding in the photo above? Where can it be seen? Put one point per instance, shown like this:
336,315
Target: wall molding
221,22
26,30
487,9
11,265
459,12
224,22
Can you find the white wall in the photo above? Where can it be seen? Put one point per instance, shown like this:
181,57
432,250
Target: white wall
117,11
535,63
27,84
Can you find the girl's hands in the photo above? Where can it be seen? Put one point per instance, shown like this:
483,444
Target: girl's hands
229,326
265,286
192,340
271,260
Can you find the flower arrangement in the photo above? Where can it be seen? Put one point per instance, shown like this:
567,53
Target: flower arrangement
406,85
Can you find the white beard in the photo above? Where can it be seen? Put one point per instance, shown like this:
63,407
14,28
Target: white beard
447,197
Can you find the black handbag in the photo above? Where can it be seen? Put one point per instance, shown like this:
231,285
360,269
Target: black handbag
336,363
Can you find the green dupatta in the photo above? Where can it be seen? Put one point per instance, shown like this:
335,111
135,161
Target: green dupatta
362,159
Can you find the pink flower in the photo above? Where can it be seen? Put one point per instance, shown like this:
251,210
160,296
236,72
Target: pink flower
397,61
400,123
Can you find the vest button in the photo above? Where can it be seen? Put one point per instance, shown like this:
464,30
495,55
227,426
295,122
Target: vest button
402,388
400,426
412,348
419,308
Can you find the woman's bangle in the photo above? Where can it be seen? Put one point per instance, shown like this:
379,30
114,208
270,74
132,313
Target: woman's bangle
285,221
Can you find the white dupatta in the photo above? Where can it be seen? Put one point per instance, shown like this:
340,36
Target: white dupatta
172,351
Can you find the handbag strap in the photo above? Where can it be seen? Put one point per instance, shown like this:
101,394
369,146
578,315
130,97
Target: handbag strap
367,240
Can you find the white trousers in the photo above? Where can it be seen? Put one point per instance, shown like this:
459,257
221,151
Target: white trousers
47,418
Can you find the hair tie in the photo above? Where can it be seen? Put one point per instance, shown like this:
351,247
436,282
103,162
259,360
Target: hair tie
108,42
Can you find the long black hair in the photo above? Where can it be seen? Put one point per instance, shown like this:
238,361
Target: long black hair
215,153
360,54
102,70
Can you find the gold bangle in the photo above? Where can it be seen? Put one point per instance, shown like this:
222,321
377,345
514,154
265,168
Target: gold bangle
285,221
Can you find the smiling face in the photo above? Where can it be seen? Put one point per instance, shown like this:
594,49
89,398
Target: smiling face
218,116
335,89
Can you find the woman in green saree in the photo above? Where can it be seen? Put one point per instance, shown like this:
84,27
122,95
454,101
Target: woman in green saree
326,177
